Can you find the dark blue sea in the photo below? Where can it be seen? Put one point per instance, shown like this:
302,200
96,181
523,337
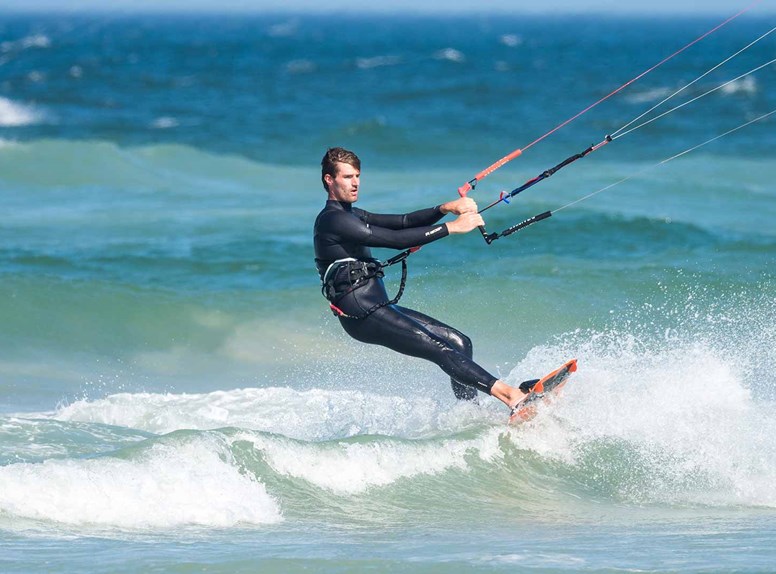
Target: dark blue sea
175,395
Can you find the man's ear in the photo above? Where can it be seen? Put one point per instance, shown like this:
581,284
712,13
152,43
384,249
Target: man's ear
328,179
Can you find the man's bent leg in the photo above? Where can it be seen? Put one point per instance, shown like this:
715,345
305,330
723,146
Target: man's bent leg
455,339
392,328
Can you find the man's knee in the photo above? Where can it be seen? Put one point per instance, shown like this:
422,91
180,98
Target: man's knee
460,343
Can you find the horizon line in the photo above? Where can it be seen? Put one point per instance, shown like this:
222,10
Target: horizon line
58,10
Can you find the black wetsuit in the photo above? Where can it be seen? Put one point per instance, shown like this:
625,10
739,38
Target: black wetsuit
346,232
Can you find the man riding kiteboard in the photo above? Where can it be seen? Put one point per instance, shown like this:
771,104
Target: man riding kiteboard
352,279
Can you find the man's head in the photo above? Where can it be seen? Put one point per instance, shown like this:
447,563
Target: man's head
340,173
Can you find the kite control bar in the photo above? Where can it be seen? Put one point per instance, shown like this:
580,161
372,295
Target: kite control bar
505,197
491,237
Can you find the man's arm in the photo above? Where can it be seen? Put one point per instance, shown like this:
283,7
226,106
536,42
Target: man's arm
422,217
354,230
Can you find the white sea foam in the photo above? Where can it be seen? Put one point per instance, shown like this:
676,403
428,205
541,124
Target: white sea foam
13,114
646,96
342,467
686,410
351,468
283,29
165,122
747,85
309,415
377,62
171,484
32,41
451,55
511,40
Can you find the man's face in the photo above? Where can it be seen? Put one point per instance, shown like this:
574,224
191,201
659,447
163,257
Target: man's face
344,185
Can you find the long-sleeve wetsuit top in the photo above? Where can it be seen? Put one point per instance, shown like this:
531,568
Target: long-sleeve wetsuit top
343,231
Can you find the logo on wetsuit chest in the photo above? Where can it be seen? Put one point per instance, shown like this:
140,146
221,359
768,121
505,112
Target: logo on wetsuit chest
433,231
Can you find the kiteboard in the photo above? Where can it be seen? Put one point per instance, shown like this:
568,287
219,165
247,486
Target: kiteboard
545,391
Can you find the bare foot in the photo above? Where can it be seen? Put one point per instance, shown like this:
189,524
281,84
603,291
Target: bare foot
510,396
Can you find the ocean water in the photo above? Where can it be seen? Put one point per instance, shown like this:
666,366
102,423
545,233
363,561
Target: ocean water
175,395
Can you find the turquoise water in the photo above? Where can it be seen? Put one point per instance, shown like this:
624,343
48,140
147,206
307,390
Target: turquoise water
176,397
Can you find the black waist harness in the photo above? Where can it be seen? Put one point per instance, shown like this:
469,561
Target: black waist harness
346,275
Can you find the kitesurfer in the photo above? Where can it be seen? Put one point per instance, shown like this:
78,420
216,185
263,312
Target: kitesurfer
352,279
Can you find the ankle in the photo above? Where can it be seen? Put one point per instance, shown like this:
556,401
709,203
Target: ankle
510,396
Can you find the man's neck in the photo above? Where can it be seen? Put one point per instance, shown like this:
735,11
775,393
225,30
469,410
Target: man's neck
346,205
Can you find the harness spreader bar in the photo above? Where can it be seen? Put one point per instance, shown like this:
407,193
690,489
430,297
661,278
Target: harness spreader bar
400,258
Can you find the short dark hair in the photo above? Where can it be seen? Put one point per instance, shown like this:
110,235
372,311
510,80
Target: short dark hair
332,157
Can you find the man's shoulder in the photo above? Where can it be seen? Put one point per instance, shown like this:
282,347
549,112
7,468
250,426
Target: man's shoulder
330,212
337,219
